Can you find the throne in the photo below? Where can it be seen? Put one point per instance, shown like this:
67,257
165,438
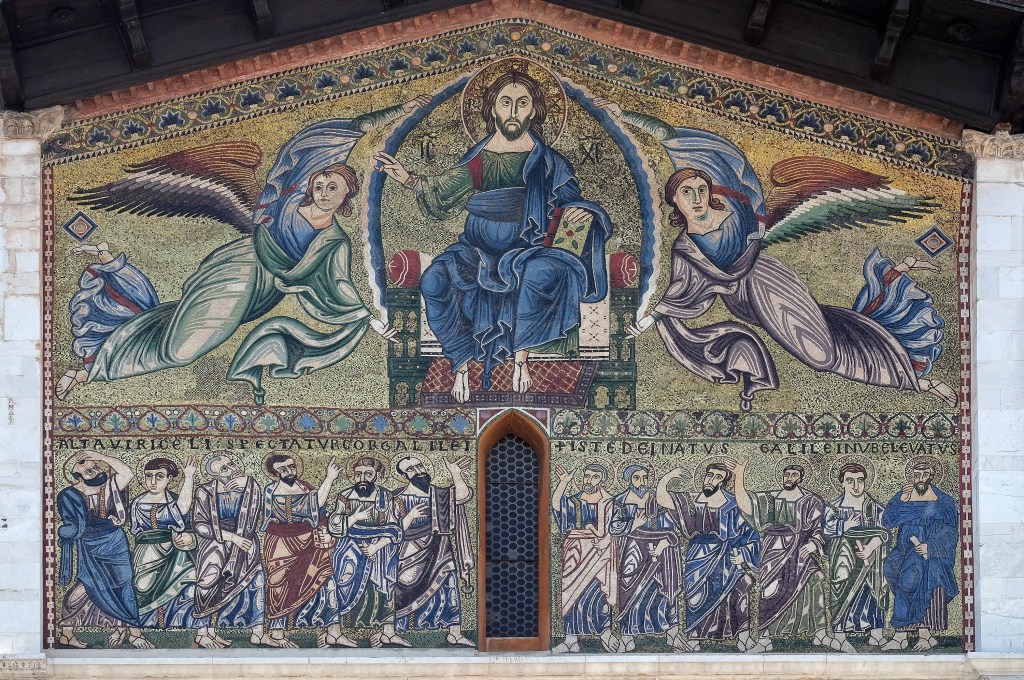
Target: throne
601,376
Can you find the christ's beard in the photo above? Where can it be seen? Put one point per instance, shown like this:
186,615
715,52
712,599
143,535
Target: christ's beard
98,480
513,128
589,488
789,486
710,490
364,489
288,480
421,482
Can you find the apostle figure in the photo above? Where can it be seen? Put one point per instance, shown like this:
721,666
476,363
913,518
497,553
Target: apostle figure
365,557
790,577
165,568
93,511
435,550
230,582
920,568
590,586
721,558
502,291
859,595
650,570
301,592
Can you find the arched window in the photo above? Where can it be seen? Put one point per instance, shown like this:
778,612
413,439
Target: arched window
513,568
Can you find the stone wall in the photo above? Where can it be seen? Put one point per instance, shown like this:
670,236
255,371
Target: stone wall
999,389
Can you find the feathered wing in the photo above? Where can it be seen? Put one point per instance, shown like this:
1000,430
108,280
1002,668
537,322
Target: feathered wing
216,180
811,195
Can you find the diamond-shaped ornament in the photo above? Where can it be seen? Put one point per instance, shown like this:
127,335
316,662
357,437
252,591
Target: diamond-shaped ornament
80,226
933,241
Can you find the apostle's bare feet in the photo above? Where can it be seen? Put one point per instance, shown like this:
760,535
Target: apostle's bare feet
460,391
69,381
272,641
207,641
939,390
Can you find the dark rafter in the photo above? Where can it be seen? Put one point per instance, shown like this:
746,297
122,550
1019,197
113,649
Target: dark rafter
262,18
895,29
10,83
131,33
630,5
754,31
1011,100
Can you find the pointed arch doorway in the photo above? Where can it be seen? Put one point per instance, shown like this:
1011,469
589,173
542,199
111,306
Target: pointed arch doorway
512,567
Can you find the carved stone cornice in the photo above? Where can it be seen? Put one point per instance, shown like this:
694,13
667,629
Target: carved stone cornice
999,145
38,124
22,668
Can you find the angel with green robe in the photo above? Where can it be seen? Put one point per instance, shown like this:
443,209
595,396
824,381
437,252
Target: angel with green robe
293,244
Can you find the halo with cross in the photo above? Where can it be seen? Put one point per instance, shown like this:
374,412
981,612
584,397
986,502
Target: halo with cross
554,97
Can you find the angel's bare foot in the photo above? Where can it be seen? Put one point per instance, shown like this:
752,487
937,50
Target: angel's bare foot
939,390
70,381
100,250
460,391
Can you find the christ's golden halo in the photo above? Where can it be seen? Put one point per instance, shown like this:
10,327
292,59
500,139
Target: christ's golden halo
473,97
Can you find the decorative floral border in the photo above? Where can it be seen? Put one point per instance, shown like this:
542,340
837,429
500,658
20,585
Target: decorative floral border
259,421
567,51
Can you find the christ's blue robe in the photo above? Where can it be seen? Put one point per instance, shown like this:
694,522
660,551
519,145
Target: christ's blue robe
499,289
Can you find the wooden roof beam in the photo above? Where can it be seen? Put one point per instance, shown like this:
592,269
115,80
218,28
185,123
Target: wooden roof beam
131,32
262,19
757,21
1011,97
10,82
895,29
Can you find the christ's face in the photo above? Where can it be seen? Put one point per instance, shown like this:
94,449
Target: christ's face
329,191
513,111
156,480
287,471
592,480
692,199
853,482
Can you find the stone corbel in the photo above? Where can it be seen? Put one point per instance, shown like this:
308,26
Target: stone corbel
999,145
31,124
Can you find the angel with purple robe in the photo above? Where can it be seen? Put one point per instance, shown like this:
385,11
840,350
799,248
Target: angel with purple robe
293,243
890,338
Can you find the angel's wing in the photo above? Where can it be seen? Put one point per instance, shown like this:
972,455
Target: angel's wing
217,180
812,195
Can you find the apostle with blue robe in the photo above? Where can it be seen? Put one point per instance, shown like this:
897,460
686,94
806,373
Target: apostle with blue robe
921,566
720,560
365,558
93,512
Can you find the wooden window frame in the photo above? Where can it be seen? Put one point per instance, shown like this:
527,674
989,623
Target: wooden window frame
518,424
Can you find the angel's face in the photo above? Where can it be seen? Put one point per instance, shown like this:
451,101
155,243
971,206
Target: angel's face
692,199
329,191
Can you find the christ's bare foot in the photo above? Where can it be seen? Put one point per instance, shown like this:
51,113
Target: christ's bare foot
939,390
521,380
69,381
460,391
